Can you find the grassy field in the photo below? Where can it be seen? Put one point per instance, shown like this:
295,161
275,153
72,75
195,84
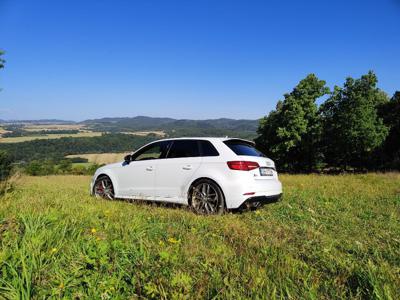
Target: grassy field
82,164
101,158
331,237
48,136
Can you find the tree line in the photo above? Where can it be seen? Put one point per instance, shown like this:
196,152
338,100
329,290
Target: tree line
47,157
357,128
19,131
57,149
50,167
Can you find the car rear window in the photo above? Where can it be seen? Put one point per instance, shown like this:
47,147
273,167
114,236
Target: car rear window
243,148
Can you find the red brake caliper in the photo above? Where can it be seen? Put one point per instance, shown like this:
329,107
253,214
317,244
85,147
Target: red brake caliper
100,188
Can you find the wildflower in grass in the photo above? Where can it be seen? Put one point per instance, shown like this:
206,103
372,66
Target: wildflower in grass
93,230
61,286
53,250
257,212
161,243
173,240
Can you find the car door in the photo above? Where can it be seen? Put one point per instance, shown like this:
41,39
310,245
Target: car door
175,172
137,178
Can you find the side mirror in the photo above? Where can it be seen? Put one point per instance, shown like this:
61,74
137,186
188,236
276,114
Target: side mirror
128,158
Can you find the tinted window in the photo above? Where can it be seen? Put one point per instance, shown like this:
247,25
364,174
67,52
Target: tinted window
184,148
243,148
153,151
207,149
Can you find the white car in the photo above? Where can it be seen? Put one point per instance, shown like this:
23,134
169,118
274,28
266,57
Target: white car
209,174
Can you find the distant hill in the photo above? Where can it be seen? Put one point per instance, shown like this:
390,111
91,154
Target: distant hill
149,123
171,127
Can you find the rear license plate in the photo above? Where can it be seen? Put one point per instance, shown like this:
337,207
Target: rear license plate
266,172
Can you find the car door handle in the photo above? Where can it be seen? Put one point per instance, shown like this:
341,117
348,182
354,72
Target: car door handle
188,167
149,168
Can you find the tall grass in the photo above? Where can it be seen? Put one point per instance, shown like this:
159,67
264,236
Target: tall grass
331,237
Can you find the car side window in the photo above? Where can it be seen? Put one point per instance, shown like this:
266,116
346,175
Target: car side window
153,151
184,148
207,149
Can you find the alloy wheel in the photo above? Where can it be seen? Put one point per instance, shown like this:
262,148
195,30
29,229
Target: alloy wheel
103,188
206,198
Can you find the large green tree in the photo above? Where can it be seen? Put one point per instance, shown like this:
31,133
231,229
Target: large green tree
290,134
389,155
352,128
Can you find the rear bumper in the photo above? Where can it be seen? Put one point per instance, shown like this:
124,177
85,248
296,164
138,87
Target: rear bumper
237,193
258,201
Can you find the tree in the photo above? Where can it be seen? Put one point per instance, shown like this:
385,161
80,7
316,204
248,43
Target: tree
352,129
291,133
5,165
34,168
65,166
389,156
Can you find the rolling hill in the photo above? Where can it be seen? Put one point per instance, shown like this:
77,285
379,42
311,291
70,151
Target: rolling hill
150,123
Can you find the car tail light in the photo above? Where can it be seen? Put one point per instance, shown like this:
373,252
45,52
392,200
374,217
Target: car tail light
243,165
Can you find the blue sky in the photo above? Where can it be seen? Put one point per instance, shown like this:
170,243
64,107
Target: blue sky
185,59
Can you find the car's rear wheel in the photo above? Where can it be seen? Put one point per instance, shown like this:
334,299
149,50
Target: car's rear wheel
206,198
103,188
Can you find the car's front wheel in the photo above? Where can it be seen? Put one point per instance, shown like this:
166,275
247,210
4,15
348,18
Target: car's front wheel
103,188
206,198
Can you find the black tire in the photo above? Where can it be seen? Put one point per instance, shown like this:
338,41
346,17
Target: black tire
207,198
103,188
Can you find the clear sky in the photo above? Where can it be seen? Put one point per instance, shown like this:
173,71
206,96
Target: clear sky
185,59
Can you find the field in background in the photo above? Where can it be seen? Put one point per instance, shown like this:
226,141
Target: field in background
82,164
101,158
2,130
48,136
158,133
39,127
84,131
331,237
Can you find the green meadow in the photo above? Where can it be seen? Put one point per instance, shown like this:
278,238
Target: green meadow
330,237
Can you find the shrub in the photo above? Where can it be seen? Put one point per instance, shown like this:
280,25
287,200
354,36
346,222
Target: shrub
5,165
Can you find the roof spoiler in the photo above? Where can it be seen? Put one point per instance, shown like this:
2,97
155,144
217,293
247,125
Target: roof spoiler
241,140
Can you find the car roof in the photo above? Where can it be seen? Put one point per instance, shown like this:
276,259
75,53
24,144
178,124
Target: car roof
211,139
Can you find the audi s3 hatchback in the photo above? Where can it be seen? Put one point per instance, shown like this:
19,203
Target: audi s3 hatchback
209,174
